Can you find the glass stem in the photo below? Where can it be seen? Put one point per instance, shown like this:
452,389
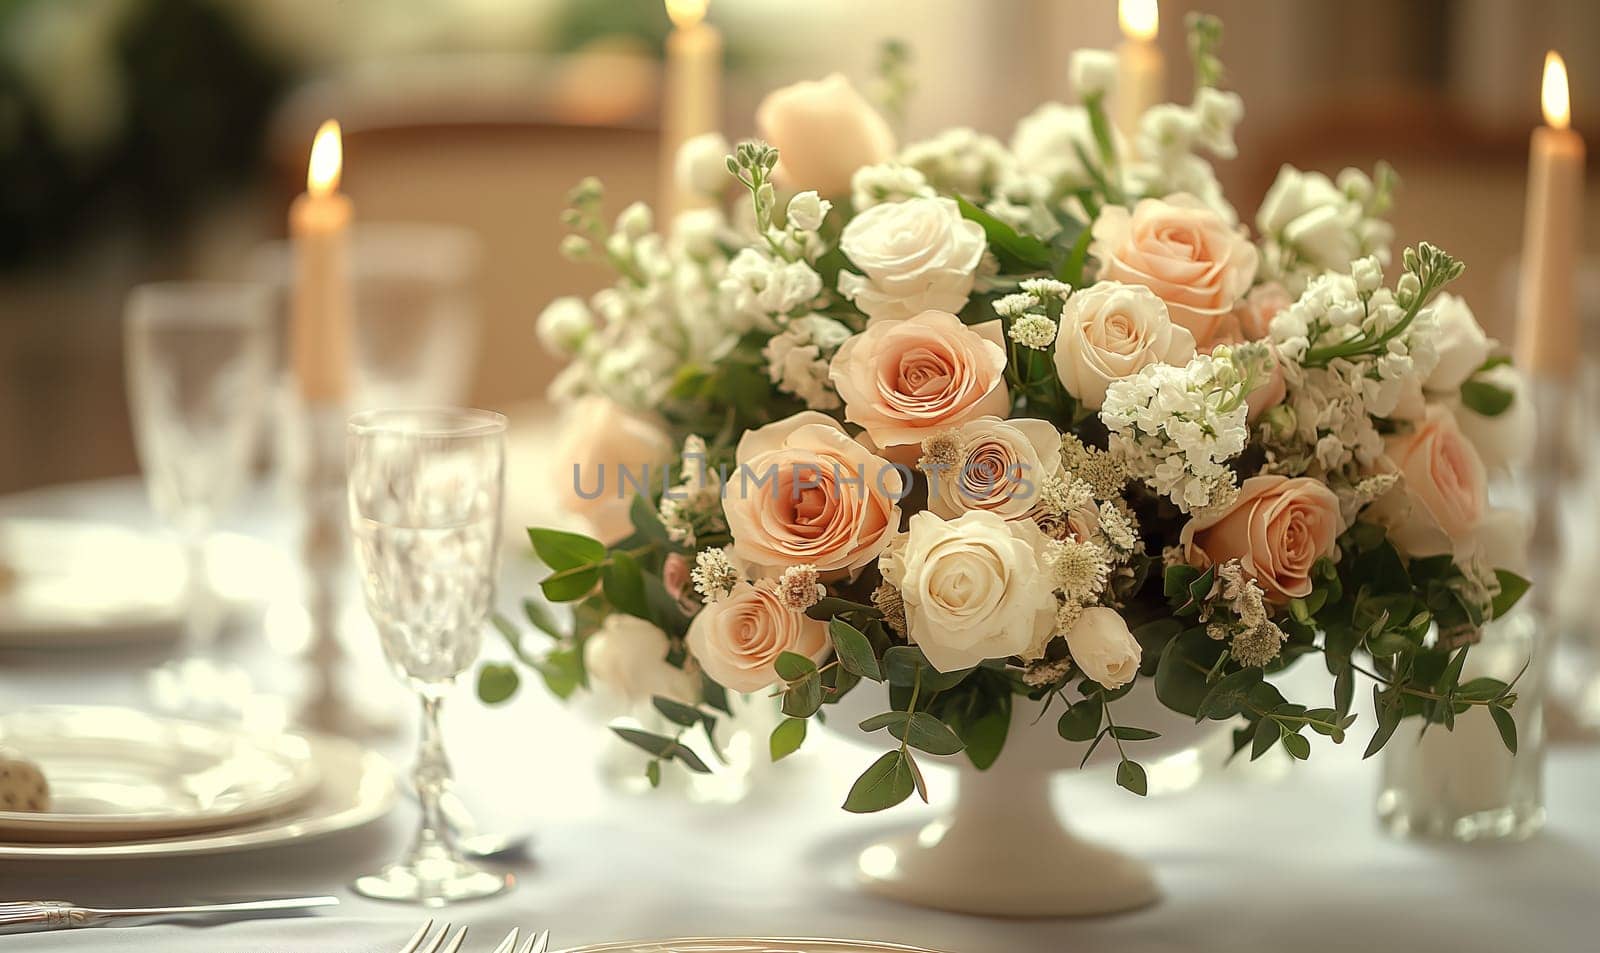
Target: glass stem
203,618
432,778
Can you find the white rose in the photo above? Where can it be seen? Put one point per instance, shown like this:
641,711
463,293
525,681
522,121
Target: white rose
1092,72
1460,342
1109,332
807,210
917,255
600,441
1003,464
701,167
564,325
824,132
1044,144
1103,648
972,587
1306,211
628,658
738,638
1505,441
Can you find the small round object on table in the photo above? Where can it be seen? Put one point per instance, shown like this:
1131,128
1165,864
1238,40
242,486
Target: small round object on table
22,785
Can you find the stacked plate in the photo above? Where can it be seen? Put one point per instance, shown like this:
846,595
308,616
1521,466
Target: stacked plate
127,784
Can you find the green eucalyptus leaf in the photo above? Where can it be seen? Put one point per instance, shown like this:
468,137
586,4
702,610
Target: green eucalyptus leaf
1081,721
1130,775
792,666
652,773
927,733
1512,589
497,682
686,716
887,719
538,616
1229,695
1507,726
1130,733
570,585
787,738
623,583
1482,397
563,550
854,650
803,697
1297,745
886,783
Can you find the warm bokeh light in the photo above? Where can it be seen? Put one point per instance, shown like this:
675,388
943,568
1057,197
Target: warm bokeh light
1139,18
327,155
1554,97
686,13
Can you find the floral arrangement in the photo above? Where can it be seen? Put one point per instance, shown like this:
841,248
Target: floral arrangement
1016,429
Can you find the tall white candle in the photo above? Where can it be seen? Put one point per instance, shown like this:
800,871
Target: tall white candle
1141,70
1547,324
320,320
692,92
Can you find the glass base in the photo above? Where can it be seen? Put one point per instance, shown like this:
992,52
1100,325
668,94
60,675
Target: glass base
1512,823
432,882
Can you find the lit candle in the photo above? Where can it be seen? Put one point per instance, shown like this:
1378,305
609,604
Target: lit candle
319,224
692,93
1141,73
1547,325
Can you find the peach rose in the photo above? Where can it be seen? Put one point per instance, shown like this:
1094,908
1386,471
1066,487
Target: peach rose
1183,251
806,492
904,380
737,639
1003,464
1111,331
824,130
1278,528
600,442
1256,310
1443,494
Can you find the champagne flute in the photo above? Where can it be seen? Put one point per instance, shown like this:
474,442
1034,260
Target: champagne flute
198,356
425,498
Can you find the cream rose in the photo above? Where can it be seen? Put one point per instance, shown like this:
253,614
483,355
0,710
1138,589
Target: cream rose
1103,647
738,638
602,453
1003,463
1183,251
1312,215
905,380
806,492
1505,440
627,656
824,130
972,587
1443,493
914,255
1111,331
1460,341
1277,528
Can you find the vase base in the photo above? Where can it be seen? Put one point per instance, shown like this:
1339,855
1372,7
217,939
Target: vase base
1058,875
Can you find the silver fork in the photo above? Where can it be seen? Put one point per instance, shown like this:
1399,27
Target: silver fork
419,942
538,943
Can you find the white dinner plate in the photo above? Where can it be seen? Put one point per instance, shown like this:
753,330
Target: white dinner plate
356,788
120,774
76,584
747,945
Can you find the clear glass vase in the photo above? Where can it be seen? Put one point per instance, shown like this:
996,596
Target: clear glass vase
1463,784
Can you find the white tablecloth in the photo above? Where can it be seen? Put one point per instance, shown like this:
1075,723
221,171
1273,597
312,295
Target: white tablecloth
1246,864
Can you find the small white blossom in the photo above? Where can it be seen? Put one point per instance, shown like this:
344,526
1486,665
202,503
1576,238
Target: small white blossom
714,575
798,357
701,166
564,325
760,288
888,182
959,160
799,589
1079,568
807,210
635,221
1092,73
1034,331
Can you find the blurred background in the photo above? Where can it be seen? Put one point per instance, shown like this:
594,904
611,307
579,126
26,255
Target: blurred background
148,139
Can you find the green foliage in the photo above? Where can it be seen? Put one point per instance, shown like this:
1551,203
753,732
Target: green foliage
1482,397
1016,252
854,650
497,682
787,738
888,782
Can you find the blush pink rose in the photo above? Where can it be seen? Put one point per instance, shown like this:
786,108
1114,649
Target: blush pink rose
904,380
1255,311
738,638
806,492
1443,495
603,447
1183,251
824,130
1278,528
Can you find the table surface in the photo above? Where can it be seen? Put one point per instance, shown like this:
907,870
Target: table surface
1248,861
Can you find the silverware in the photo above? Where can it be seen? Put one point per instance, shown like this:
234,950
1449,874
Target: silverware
419,940
26,916
538,943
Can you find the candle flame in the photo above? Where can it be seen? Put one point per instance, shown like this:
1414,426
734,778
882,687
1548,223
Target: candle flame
1140,19
686,13
1554,96
327,157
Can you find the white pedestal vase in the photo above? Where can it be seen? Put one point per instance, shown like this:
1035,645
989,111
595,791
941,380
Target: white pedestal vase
1002,850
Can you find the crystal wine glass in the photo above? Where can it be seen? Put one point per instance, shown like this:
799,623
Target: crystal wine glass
425,498
199,359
